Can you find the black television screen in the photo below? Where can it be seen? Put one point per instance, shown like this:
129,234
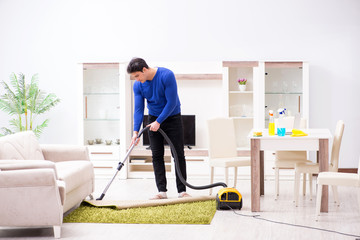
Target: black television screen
188,126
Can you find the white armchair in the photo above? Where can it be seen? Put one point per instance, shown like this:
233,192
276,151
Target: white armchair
39,183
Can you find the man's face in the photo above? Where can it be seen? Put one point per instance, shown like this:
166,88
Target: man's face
140,76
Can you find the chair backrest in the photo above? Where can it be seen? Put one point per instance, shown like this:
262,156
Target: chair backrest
221,138
290,121
335,151
291,155
287,121
303,123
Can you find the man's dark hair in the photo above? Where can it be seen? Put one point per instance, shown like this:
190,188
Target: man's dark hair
136,65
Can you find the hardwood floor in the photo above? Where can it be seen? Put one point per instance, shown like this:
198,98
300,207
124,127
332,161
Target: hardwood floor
225,224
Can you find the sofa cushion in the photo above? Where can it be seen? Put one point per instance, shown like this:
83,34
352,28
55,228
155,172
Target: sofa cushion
20,146
74,173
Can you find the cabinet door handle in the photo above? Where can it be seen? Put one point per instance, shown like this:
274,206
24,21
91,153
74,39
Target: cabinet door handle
85,107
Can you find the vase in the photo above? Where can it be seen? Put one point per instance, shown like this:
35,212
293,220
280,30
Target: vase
242,88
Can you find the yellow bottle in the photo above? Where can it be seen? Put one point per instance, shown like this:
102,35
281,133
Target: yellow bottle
271,123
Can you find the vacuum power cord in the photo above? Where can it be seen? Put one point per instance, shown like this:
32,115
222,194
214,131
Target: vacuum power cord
291,224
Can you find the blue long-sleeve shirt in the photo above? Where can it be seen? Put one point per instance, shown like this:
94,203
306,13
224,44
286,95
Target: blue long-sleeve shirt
161,96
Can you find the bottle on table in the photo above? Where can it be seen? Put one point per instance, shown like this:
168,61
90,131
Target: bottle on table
271,123
281,129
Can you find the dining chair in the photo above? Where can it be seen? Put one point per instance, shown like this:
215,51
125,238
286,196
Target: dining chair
335,179
313,168
288,159
223,149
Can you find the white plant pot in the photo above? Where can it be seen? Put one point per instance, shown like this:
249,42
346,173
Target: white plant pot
242,88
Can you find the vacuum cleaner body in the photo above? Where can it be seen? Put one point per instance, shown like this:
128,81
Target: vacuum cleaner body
228,198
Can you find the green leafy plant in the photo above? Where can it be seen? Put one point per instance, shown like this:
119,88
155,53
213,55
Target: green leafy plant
25,102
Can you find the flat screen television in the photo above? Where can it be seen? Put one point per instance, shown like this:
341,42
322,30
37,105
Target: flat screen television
188,127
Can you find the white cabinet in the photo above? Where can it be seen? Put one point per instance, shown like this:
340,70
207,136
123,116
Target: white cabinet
105,159
270,85
140,164
286,86
101,109
103,115
241,105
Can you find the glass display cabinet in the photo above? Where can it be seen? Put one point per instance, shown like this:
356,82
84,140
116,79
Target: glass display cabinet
286,86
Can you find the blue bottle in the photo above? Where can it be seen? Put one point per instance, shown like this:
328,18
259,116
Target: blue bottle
281,130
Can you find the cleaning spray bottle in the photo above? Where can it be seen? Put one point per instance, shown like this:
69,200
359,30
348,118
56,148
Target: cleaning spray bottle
271,123
281,129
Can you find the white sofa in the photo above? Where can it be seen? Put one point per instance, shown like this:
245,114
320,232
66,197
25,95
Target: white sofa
38,183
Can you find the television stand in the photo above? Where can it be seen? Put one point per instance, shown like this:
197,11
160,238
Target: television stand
189,147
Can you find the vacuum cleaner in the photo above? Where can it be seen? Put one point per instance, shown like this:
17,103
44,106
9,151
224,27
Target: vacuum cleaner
226,199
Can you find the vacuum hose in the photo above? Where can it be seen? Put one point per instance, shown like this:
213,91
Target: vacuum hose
177,167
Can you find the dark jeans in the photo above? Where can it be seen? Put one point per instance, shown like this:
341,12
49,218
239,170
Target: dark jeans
173,128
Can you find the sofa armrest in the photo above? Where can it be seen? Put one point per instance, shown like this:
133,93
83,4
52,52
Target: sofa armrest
27,178
18,175
30,197
8,165
62,185
60,153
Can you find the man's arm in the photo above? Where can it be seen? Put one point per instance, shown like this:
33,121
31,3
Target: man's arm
138,107
171,96
138,112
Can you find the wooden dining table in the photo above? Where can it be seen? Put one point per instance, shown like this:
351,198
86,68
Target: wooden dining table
316,140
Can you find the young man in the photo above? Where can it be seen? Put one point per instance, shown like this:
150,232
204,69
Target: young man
158,86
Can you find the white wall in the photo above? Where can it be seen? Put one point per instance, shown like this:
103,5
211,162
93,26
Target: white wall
49,37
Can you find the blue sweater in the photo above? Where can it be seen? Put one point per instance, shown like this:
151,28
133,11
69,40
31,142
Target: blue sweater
161,96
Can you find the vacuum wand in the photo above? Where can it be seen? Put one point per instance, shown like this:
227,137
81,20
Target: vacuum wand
121,164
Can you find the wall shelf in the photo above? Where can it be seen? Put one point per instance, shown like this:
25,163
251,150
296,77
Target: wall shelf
198,76
191,76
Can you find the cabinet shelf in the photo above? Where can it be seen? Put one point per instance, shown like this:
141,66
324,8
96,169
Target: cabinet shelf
282,93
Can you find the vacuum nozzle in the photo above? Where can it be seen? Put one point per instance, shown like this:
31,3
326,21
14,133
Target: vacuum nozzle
101,197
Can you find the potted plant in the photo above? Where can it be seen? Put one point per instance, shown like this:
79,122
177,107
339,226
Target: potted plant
25,102
242,84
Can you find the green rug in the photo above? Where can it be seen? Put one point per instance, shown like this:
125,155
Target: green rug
184,213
